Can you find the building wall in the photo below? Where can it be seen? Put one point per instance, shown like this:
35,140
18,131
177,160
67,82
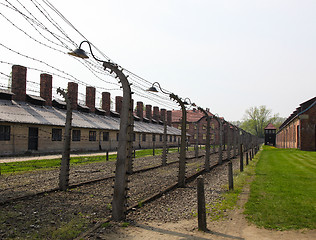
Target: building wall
308,129
198,130
19,140
289,137
300,132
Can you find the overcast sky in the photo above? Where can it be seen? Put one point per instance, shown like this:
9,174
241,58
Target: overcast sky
224,55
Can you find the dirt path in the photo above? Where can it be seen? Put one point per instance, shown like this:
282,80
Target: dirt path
235,227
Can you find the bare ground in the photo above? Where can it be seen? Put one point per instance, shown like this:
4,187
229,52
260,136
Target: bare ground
234,226
169,217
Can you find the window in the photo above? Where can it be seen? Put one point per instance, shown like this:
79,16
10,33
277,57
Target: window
56,134
144,137
204,136
188,126
106,136
174,138
134,137
154,138
213,126
195,136
204,127
76,134
117,136
170,138
179,126
160,137
195,126
4,133
92,135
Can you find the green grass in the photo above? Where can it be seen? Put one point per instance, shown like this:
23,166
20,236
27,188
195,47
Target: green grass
283,194
48,164
218,210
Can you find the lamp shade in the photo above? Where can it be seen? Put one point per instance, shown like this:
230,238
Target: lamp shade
79,53
152,89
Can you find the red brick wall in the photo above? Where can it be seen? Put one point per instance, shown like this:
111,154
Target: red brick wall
308,131
305,139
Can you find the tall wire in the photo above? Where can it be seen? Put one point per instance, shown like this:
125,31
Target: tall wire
60,40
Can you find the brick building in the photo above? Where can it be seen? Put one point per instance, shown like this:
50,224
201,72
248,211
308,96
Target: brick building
299,129
196,126
36,124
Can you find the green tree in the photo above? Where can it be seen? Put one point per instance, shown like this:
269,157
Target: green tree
257,118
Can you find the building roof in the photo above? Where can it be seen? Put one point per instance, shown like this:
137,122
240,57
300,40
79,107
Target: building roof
299,110
192,115
26,113
270,126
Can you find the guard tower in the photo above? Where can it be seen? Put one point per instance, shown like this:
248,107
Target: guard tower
270,134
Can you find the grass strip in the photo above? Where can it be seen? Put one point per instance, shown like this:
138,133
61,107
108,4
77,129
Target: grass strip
49,164
283,194
228,200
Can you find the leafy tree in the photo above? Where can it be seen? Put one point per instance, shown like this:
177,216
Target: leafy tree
257,118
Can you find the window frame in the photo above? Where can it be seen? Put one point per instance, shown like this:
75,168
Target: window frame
5,132
57,134
92,136
76,137
106,136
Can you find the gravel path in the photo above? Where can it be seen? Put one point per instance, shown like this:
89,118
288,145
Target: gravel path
88,204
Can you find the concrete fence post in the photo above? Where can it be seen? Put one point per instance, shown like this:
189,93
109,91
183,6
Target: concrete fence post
64,167
201,204
241,159
164,149
230,176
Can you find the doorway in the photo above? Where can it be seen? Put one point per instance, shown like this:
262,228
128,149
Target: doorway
33,139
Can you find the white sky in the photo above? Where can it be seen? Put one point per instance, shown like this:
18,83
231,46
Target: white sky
224,55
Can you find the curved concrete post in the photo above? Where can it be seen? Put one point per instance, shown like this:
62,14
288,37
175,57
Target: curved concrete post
124,151
181,175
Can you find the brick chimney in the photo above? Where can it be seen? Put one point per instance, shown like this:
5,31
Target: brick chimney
140,110
163,114
46,88
118,104
148,112
169,118
106,102
156,113
90,98
19,82
73,94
